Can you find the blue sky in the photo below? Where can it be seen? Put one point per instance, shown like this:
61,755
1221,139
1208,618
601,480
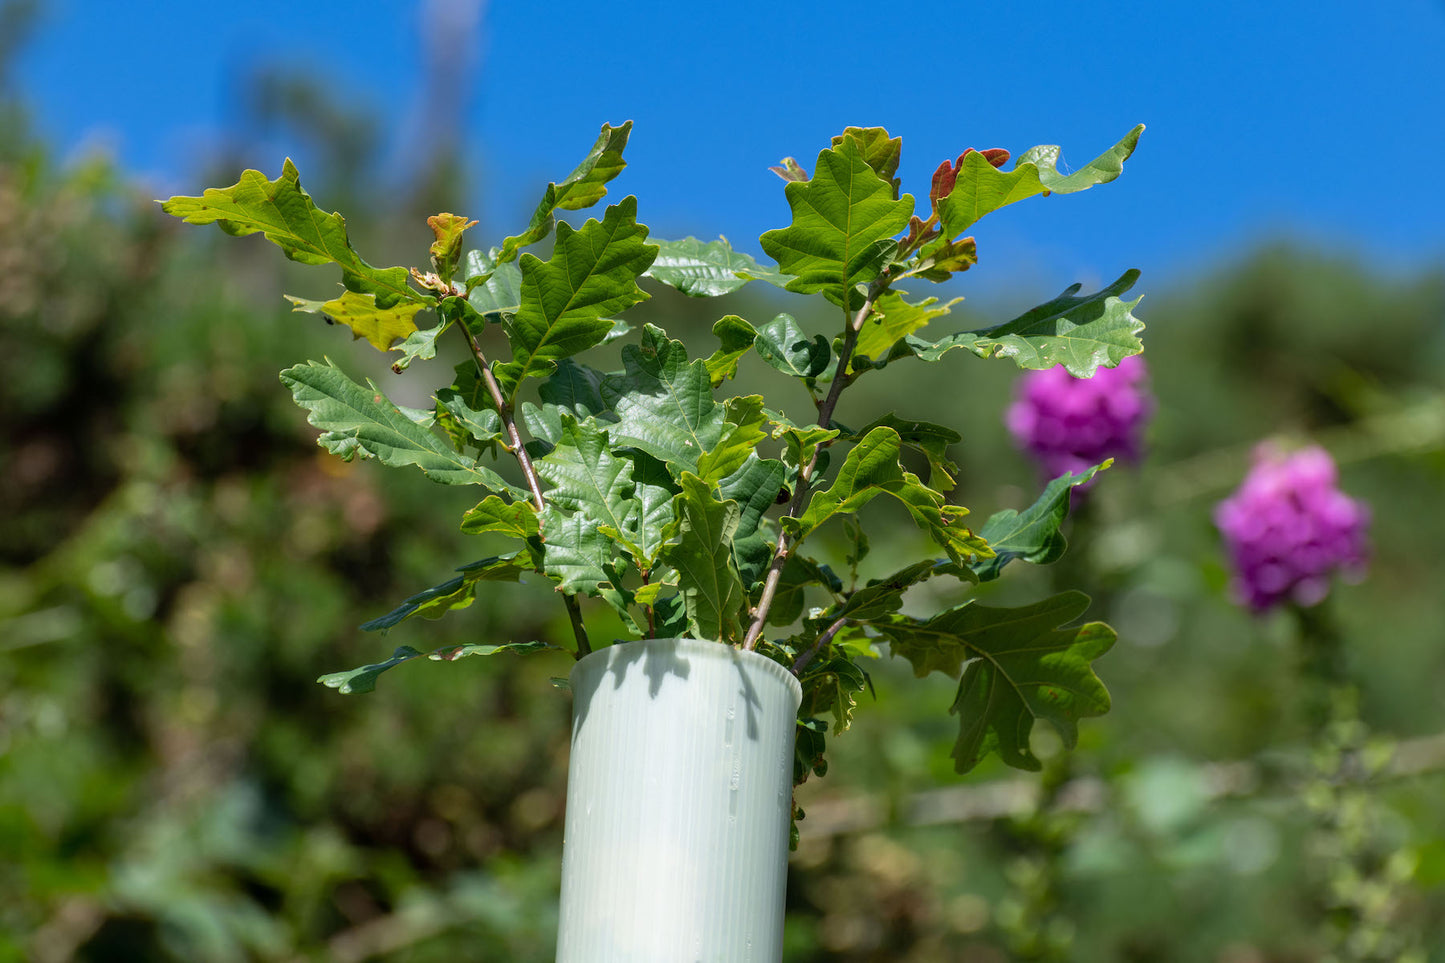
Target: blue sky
1319,121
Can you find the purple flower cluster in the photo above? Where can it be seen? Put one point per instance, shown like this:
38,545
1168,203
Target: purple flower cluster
1288,528
1068,424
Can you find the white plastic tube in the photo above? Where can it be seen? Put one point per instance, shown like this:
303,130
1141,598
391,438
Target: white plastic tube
678,797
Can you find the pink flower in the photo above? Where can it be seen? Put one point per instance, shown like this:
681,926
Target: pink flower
1288,529
1068,424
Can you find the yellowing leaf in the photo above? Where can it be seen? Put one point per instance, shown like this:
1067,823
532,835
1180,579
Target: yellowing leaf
383,327
446,250
288,218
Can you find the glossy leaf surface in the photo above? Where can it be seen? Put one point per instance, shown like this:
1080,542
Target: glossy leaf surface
664,402
981,188
1080,333
844,218
703,268
567,300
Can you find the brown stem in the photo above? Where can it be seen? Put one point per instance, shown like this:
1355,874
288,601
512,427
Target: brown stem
514,440
823,640
841,379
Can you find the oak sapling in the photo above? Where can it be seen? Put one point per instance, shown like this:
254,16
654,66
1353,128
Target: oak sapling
640,487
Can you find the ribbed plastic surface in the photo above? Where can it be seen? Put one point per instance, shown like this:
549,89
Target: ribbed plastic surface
678,796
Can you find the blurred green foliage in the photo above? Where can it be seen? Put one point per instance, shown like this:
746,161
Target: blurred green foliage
179,562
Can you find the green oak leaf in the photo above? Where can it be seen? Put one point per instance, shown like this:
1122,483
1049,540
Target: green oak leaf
809,745
495,515
664,403
1021,667
735,337
363,679
981,188
568,299
742,431
1080,333
585,186
587,479
575,387
943,259
1032,535
703,268
544,424
653,489
383,327
288,218
494,288
700,549
360,420
891,319
482,427
872,469
828,687
782,344
844,219
451,653
799,441
419,346
882,596
930,439
754,486
454,593
879,151
575,554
